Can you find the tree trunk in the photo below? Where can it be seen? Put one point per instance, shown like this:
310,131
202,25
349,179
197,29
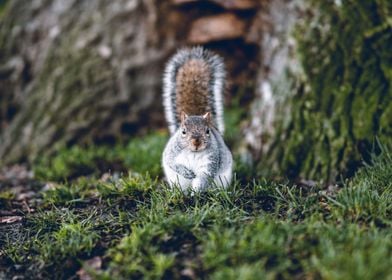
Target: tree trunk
322,119
82,71
73,71
318,79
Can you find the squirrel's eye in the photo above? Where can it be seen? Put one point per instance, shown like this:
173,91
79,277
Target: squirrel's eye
207,131
183,132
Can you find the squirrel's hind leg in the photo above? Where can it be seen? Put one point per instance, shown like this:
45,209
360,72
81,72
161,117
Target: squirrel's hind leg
224,177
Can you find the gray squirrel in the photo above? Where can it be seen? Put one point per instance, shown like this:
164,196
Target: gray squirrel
196,156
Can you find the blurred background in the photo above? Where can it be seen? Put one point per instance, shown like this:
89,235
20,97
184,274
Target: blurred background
309,82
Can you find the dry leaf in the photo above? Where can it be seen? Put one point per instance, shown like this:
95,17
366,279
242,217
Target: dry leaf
10,219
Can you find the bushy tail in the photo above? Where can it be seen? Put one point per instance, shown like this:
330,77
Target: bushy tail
194,82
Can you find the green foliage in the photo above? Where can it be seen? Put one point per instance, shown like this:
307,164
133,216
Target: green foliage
346,58
140,155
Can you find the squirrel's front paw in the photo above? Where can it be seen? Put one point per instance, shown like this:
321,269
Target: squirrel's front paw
185,172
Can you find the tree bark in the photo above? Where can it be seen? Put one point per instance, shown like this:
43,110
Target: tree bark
320,120
79,71
317,74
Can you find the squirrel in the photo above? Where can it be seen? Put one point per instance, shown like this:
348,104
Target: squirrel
195,156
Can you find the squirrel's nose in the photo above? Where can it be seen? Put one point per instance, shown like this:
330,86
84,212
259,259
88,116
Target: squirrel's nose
196,142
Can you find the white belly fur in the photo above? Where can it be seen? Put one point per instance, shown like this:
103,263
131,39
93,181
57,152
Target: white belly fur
197,162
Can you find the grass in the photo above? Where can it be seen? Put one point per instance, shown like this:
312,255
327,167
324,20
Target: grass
141,228
138,155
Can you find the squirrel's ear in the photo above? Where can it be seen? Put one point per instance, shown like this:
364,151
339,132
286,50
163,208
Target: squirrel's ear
184,116
207,117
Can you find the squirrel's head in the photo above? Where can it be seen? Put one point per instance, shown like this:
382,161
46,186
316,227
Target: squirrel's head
195,131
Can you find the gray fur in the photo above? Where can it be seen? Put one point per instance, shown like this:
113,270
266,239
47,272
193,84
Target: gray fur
198,173
196,154
169,154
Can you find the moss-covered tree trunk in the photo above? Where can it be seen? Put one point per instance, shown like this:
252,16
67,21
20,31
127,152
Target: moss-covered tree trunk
321,119
74,71
81,71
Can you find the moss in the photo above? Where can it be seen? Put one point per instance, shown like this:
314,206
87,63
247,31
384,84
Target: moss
346,59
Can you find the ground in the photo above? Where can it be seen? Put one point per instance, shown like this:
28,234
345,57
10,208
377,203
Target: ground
73,219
